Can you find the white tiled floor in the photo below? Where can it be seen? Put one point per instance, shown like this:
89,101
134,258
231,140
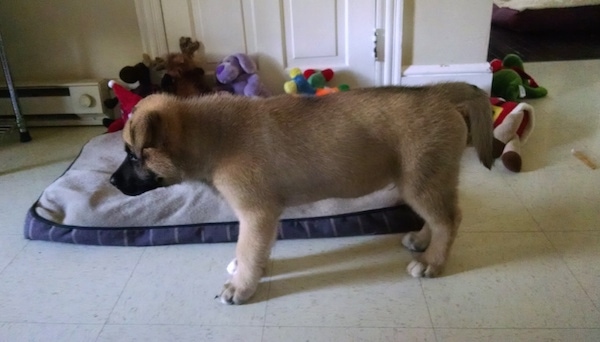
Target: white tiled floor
524,267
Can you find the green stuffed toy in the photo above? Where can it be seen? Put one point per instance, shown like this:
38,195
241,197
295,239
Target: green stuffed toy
511,82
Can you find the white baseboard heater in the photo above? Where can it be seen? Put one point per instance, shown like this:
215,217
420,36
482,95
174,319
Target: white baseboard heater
63,103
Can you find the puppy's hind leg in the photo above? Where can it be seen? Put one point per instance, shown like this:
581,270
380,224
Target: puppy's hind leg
438,207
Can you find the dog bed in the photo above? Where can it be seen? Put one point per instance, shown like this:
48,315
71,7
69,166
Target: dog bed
82,207
547,15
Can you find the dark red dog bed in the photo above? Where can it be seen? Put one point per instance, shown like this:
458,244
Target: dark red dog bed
558,19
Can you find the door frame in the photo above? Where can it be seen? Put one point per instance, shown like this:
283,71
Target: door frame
389,15
390,18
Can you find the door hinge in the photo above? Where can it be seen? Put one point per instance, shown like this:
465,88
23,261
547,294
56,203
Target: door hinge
378,44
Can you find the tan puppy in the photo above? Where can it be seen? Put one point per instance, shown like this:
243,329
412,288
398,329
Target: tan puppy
265,154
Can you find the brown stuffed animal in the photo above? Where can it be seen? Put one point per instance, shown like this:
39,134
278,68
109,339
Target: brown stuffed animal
187,46
183,77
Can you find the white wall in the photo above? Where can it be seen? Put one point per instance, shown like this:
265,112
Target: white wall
69,39
61,39
446,32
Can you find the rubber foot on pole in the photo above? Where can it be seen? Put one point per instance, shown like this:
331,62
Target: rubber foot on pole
25,136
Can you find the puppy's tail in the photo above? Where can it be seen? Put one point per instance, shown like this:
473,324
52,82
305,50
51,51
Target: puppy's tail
478,112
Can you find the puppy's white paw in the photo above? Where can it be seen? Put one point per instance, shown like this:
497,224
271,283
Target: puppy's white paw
235,295
412,242
232,267
418,269
227,294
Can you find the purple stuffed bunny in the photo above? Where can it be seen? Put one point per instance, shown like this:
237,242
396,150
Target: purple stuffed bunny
237,74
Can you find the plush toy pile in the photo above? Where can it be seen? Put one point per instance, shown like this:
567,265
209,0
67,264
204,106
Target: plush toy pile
181,74
513,120
311,82
177,73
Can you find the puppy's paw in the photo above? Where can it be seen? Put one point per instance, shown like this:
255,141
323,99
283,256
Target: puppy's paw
235,295
414,243
419,269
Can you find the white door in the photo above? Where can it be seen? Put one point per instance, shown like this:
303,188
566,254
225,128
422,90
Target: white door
281,34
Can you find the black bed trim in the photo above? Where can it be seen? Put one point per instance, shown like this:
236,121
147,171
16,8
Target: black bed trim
372,222
389,220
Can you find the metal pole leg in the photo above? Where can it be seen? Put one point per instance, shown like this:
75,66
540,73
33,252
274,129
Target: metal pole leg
23,132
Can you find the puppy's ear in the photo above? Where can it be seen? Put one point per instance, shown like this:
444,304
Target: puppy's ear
147,132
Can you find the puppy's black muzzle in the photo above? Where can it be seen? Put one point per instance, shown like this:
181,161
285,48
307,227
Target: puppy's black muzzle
133,179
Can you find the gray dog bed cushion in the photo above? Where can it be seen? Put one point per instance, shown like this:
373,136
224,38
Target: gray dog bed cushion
82,207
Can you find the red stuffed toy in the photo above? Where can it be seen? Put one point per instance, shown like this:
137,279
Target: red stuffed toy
327,74
128,100
513,124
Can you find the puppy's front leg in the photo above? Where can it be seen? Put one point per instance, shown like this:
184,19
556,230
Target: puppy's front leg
258,229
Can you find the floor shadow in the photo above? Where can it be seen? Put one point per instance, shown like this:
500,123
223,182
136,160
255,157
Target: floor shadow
391,270
313,272
33,166
361,250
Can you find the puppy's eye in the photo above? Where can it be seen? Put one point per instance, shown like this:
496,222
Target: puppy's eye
132,157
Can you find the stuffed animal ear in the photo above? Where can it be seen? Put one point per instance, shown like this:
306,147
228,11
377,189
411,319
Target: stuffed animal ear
159,64
328,74
188,46
246,63
146,59
309,72
128,74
